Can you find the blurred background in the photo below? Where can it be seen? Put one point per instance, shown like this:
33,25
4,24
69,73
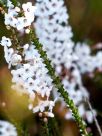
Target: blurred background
86,21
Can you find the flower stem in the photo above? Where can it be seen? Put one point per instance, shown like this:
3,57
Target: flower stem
57,82
44,130
95,119
53,127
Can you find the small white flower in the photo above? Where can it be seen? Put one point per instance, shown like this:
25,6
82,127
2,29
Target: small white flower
17,76
16,59
30,106
8,54
20,23
28,9
17,9
89,116
81,109
27,31
26,46
43,105
19,88
68,115
6,41
50,114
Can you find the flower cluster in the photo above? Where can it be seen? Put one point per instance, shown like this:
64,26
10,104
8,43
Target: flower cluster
29,75
11,56
28,70
20,19
33,74
56,36
41,107
70,60
89,63
7,129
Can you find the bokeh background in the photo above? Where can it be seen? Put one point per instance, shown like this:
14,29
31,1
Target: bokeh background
86,21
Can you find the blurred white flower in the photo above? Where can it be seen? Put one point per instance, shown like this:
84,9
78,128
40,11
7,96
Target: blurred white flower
7,129
43,105
87,62
89,115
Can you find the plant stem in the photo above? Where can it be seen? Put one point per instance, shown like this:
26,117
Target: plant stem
59,86
95,120
53,127
44,130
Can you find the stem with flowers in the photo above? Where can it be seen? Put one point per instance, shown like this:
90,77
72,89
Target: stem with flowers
59,86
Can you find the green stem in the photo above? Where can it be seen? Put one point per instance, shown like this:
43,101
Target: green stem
53,127
15,2
44,130
59,86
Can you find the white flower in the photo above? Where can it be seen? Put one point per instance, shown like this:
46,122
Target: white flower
16,59
29,9
11,57
6,41
8,54
7,129
68,116
17,75
27,31
17,9
81,109
12,19
50,114
30,106
20,23
19,88
90,116
30,85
